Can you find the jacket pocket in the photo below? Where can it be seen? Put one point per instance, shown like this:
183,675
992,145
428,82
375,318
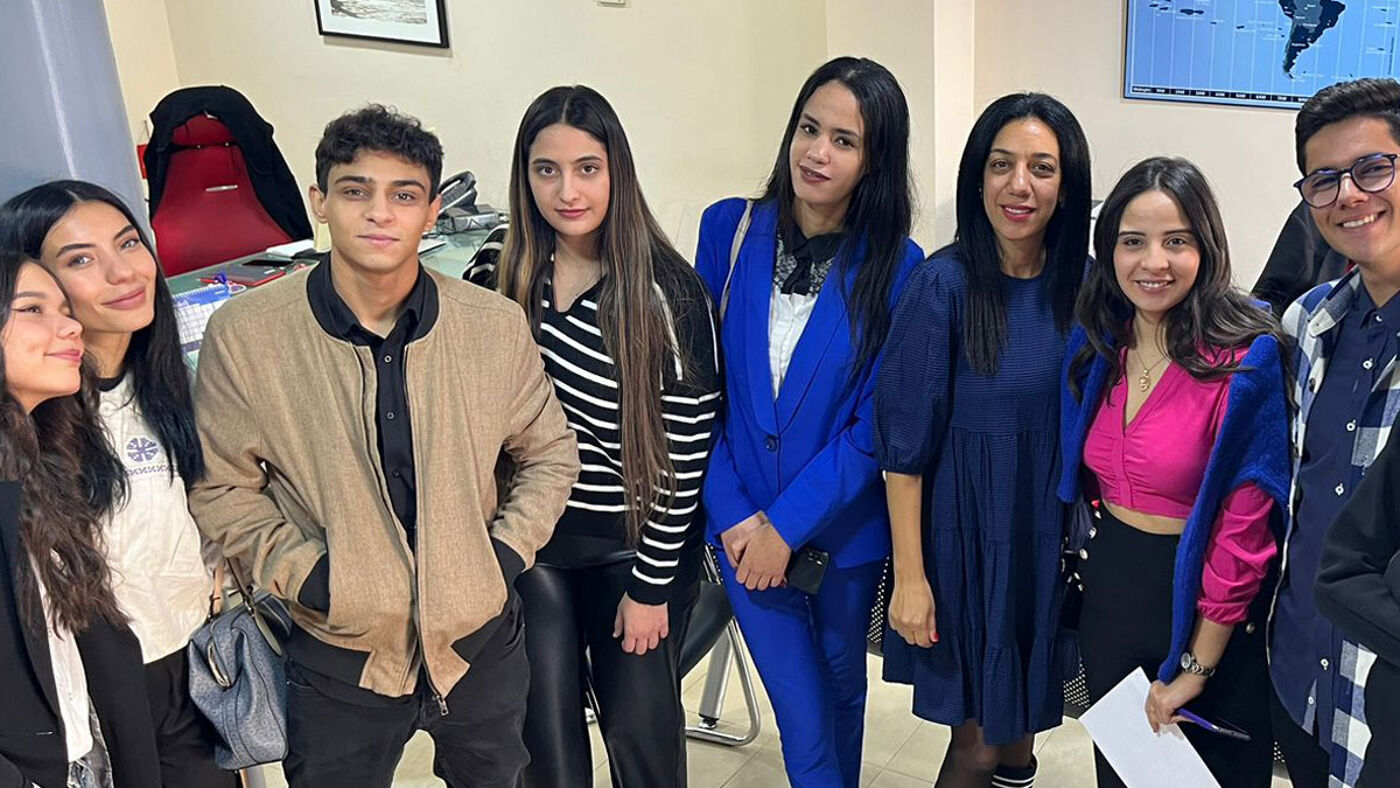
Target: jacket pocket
511,565
315,591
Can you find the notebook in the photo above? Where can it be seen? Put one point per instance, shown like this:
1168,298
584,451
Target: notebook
192,312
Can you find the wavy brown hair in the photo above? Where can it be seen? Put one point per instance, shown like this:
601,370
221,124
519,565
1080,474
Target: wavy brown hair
1215,315
639,265
70,479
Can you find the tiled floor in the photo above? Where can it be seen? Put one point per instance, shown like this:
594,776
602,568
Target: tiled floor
901,751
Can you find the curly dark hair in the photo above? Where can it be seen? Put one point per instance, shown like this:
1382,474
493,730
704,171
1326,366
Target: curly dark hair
1365,98
71,480
377,128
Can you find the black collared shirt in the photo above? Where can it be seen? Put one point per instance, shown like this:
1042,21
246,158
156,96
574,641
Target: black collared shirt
391,407
802,263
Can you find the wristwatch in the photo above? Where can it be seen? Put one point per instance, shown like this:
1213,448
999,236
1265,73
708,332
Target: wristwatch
1190,665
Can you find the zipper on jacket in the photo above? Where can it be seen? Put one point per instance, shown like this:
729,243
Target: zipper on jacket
418,585
388,505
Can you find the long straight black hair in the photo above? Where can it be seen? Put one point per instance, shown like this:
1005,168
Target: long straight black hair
1066,235
70,479
1215,315
637,259
882,205
160,378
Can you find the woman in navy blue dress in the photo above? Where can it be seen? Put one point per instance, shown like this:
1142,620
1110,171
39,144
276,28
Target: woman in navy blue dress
966,425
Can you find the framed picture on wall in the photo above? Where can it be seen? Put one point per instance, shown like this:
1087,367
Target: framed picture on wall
405,21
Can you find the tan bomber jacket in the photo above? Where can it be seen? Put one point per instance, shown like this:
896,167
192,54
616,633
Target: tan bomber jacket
286,413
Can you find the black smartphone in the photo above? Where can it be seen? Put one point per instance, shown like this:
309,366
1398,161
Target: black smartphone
807,568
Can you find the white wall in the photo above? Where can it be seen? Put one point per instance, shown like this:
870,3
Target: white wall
703,88
954,108
900,41
1075,52
145,56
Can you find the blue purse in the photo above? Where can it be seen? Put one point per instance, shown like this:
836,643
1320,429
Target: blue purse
238,677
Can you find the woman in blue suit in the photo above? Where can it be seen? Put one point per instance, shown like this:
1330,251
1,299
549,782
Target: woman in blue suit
805,278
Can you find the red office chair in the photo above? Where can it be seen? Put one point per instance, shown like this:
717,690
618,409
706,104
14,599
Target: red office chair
208,211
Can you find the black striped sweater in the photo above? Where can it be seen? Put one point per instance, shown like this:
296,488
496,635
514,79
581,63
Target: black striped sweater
592,529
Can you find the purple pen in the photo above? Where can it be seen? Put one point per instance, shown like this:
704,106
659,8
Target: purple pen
1212,727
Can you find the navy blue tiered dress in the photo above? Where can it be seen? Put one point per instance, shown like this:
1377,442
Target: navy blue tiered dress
988,449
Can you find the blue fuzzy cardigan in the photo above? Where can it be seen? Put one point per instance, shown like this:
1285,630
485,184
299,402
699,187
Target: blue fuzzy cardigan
1252,447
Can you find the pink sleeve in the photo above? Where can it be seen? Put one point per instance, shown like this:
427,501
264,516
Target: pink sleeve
1237,558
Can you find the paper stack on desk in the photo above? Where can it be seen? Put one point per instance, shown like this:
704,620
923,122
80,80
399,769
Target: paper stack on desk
1143,759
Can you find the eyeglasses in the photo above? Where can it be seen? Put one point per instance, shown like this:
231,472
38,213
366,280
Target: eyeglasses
1370,174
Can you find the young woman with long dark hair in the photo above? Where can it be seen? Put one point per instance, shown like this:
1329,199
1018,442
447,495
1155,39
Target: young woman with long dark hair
806,276
1176,423
626,332
966,421
93,245
66,643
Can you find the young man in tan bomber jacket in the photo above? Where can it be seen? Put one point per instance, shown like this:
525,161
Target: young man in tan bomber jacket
352,418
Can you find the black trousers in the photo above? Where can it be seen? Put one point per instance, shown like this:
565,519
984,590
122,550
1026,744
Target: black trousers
184,738
339,738
570,642
1126,624
1382,766
1306,759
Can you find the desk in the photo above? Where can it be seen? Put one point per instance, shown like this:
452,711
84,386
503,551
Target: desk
451,260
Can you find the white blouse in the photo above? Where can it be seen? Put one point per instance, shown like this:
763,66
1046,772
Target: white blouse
788,314
70,681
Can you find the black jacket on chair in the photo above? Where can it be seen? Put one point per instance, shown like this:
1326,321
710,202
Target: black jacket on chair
32,745
267,169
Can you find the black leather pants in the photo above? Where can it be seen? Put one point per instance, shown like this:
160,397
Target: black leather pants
569,616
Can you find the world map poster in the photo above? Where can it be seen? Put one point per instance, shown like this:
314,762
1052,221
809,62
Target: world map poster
1263,53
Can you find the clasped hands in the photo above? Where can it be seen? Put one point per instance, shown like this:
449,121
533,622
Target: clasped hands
757,553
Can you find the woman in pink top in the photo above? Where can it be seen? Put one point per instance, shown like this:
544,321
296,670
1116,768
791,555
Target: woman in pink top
1176,398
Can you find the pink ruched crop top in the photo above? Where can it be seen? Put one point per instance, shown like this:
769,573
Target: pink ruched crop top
1155,464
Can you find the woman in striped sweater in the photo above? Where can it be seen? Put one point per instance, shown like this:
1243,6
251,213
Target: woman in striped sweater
626,331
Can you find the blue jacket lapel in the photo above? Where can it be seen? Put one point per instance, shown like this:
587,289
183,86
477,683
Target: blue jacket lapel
752,288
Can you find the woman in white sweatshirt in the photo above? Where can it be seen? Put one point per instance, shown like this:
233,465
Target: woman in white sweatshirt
96,249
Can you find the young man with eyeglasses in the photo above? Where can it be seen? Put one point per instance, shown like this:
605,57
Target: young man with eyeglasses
1347,390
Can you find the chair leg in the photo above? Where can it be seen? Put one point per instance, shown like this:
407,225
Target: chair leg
726,651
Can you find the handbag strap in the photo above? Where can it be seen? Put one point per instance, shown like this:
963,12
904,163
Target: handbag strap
245,590
739,233
216,593
245,587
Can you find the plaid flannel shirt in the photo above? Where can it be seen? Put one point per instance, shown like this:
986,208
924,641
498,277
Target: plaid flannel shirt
1308,322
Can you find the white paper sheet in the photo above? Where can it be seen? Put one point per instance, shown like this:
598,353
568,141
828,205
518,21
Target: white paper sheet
1143,759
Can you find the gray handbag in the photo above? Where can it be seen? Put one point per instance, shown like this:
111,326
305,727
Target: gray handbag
237,677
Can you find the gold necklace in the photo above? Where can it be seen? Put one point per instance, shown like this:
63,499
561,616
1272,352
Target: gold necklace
1144,380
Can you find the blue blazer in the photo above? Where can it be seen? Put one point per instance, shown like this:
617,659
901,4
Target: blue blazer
807,459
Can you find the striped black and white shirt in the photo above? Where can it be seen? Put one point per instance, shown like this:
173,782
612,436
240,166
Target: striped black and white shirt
592,529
